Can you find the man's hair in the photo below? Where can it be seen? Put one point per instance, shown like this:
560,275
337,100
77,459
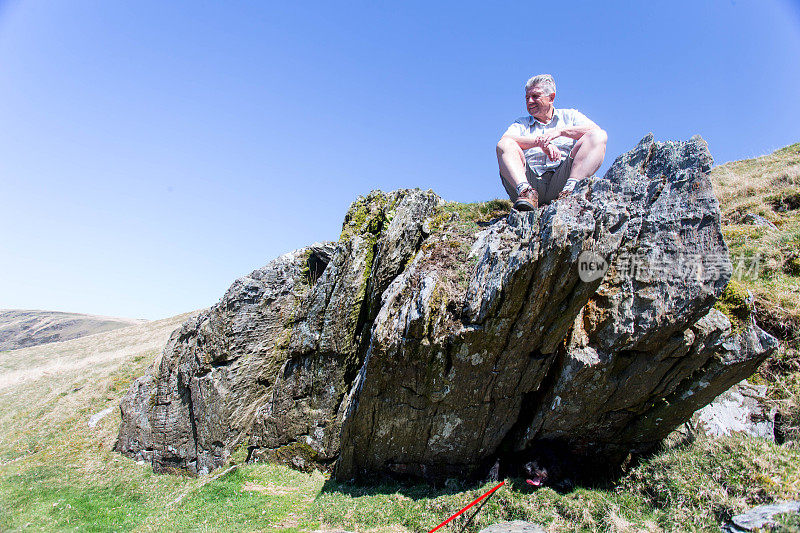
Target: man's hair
545,81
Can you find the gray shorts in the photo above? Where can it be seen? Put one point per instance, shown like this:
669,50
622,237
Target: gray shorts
548,185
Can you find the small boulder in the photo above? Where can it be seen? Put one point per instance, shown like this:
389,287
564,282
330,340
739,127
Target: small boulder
517,526
759,517
757,220
742,409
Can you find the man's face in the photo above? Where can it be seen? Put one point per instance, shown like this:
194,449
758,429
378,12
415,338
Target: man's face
539,105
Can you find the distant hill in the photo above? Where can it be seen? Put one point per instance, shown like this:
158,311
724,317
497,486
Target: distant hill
21,328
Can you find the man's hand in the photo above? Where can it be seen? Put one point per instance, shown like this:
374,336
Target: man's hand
539,141
553,153
545,140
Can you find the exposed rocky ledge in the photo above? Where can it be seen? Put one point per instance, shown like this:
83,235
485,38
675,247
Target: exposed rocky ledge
425,344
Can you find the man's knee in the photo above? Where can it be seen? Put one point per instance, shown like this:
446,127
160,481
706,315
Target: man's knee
598,136
593,140
505,145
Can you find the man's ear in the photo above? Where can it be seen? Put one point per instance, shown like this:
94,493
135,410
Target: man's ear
551,97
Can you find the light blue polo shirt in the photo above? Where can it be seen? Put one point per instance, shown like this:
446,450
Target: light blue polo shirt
530,127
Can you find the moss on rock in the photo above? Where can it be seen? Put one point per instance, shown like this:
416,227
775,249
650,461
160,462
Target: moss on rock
735,304
298,455
367,214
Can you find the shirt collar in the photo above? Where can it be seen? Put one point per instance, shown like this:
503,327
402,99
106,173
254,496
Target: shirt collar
531,119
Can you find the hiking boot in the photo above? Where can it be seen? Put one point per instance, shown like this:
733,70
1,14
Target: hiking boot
528,200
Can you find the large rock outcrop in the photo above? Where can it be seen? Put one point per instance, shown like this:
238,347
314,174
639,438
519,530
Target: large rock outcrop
432,338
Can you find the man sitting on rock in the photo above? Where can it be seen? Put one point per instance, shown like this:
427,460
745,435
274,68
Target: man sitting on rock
543,155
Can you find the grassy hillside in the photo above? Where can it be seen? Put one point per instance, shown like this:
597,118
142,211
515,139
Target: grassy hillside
767,261
57,473
20,328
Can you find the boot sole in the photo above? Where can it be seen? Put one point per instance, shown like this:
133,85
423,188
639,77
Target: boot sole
524,205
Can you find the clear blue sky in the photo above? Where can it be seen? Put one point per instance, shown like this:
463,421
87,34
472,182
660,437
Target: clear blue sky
151,152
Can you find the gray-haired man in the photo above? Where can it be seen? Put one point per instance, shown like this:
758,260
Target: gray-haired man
543,155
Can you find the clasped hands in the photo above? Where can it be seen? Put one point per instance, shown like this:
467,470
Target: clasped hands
545,141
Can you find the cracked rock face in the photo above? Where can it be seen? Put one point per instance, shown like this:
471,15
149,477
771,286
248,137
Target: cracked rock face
430,339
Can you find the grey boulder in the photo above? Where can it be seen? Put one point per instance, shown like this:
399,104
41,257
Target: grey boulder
517,526
429,341
759,517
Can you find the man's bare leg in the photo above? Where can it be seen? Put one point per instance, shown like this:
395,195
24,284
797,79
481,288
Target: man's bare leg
511,161
588,154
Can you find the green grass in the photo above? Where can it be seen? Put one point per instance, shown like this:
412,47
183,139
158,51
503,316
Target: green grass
44,501
788,522
767,263
713,479
251,497
761,186
420,508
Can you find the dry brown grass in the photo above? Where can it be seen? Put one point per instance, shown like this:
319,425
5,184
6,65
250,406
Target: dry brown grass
769,186
49,388
747,185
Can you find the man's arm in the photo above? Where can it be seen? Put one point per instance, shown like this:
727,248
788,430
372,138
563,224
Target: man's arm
516,131
580,126
539,141
576,132
526,143
573,132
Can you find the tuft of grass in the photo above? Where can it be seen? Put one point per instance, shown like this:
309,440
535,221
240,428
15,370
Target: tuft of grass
367,214
788,522
735,304
468,218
